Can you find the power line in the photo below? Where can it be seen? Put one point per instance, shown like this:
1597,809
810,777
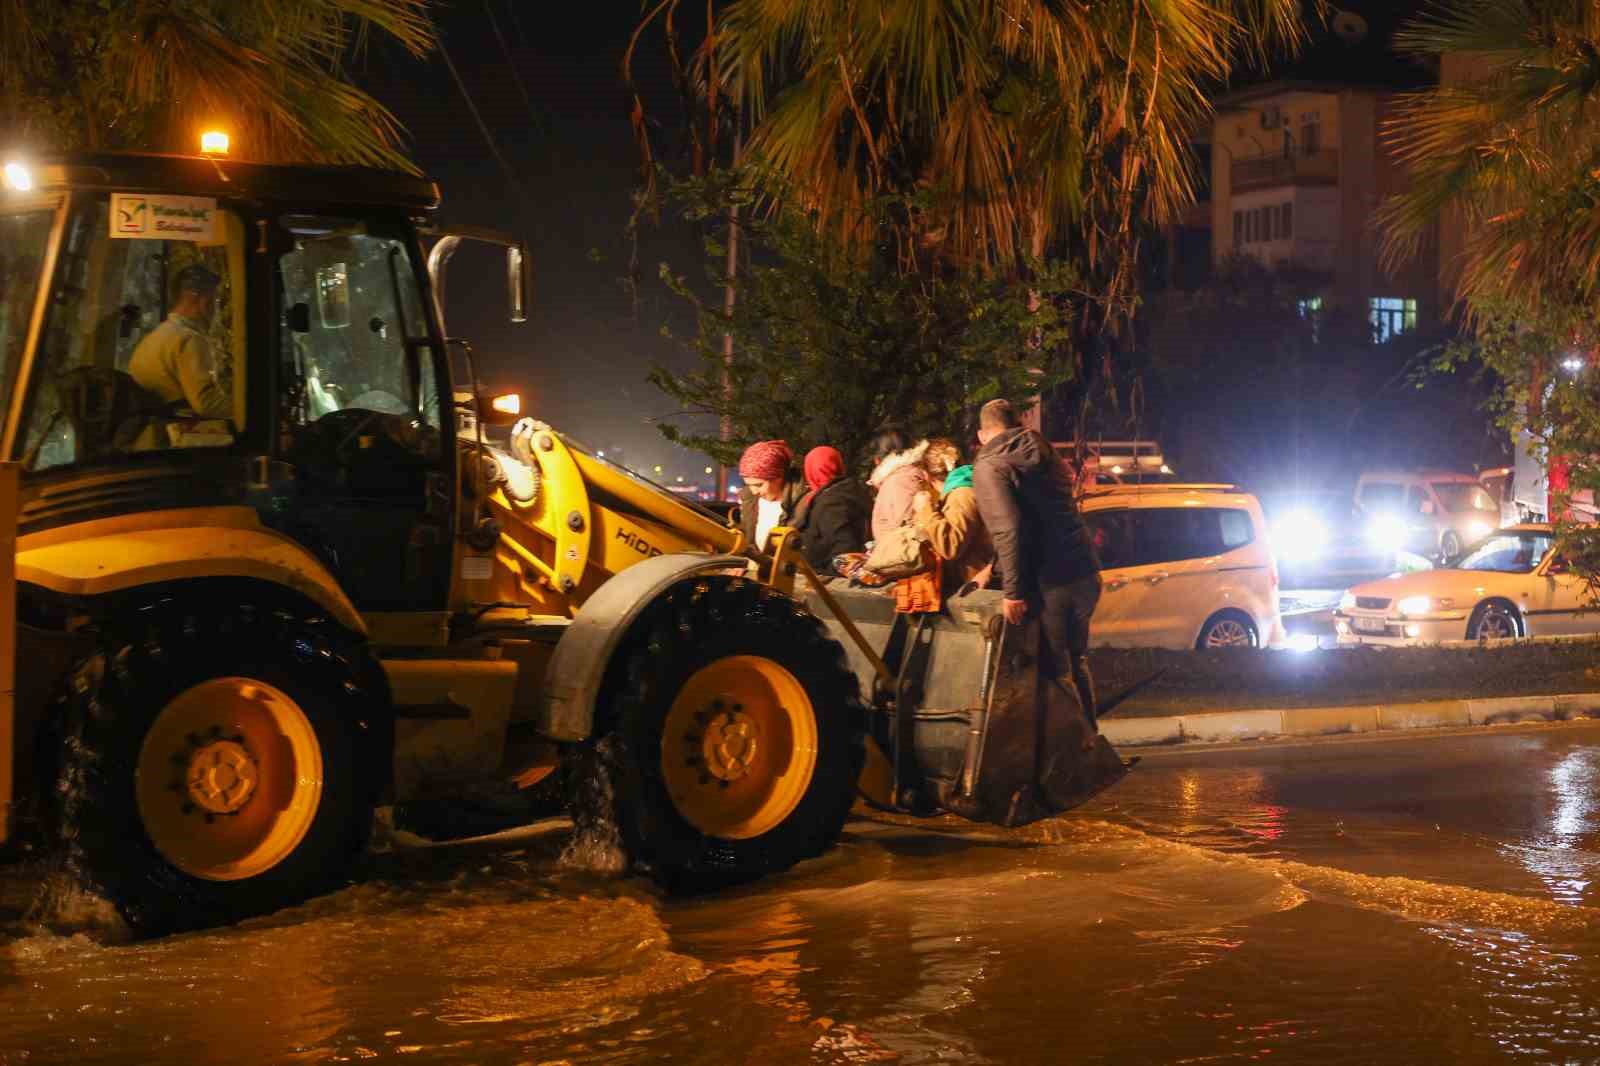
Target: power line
483,127
494,24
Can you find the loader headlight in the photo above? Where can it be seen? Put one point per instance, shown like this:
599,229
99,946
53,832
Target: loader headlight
18,178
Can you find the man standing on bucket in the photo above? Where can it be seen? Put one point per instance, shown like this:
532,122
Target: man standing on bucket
1045,557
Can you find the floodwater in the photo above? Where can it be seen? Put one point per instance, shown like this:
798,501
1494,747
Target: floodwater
1423,900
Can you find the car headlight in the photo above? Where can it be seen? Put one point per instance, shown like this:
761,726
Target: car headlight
1415,605
1299,536
1347,601
1479,529
1387,533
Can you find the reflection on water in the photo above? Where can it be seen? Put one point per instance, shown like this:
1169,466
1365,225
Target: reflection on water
1557,856
1201,914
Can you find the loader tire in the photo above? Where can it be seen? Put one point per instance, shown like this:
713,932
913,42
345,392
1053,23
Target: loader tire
735,737
219,763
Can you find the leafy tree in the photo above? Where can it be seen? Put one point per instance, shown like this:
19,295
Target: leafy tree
834,344
1511,155
108,74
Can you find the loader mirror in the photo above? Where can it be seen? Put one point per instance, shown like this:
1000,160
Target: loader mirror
300,318
517,283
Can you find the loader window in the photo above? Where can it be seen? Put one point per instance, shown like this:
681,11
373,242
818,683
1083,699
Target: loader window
126,365
23,237
353,334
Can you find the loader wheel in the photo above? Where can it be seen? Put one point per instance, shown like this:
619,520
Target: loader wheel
737,735
219,764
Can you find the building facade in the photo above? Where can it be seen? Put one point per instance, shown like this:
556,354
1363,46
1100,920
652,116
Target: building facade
1298,169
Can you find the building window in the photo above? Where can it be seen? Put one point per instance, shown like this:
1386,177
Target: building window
1238,227
1264,223
1286,221
1391,316
1311,132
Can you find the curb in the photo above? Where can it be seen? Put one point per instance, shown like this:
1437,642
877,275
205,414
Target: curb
1211,727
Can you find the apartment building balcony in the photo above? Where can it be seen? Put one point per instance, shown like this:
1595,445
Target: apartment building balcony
1303,168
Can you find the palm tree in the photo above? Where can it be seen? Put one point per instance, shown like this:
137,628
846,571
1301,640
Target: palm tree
1017,120
92,74
1512,151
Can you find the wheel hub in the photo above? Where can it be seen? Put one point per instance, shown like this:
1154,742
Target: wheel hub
221,776
729,744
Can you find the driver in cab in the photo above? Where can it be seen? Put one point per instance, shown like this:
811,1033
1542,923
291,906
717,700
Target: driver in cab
174,362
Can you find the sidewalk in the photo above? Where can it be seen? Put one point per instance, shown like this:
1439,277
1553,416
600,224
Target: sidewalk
1209,727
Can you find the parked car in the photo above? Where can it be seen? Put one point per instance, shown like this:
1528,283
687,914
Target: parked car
1182,566
1500,483
1511,584
1434,513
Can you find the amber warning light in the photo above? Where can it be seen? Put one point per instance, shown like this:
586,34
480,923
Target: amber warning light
507,404
214,142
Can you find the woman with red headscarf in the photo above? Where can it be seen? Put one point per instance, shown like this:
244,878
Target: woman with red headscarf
832,518
771,491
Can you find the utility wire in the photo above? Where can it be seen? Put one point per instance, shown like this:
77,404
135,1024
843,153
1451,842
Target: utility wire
505,49
483,127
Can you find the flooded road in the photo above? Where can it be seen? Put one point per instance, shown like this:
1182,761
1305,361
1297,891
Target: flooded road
1421,900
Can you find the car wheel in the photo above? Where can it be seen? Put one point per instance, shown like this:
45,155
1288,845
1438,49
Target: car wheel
1228,629
1449,546
1495,620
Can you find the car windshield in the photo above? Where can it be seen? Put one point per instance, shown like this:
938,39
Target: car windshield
23,236
1457,496
1509,553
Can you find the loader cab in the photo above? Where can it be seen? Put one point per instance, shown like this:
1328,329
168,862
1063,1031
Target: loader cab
313,389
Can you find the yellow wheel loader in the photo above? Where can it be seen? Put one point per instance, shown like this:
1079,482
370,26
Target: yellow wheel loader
264,573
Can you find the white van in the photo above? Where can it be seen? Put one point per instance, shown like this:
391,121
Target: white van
1182,566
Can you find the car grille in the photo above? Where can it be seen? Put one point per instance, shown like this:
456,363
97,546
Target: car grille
1371,603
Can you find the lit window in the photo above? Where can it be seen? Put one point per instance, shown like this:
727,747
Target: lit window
1391,316
1309,307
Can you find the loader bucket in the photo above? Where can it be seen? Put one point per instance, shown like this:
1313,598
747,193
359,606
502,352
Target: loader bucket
989,735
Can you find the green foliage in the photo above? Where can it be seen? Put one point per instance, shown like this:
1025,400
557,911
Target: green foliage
832,346
151,74
1508,152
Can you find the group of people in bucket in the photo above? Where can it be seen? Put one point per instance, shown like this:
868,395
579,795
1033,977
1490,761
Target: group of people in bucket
934,526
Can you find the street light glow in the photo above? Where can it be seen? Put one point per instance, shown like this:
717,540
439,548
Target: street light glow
18,178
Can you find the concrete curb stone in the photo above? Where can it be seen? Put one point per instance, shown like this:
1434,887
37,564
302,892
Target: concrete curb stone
1210,727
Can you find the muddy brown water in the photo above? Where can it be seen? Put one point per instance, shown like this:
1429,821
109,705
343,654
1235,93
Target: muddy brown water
1385,902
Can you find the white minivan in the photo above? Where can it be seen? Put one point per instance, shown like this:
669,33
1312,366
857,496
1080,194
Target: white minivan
1182,566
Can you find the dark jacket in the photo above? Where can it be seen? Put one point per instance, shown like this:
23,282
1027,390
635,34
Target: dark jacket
794,490
1026,501
834,522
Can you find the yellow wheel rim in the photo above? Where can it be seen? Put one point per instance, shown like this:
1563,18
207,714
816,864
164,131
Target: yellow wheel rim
739,747
229,779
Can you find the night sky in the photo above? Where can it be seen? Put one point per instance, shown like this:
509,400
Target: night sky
582,356
581,359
